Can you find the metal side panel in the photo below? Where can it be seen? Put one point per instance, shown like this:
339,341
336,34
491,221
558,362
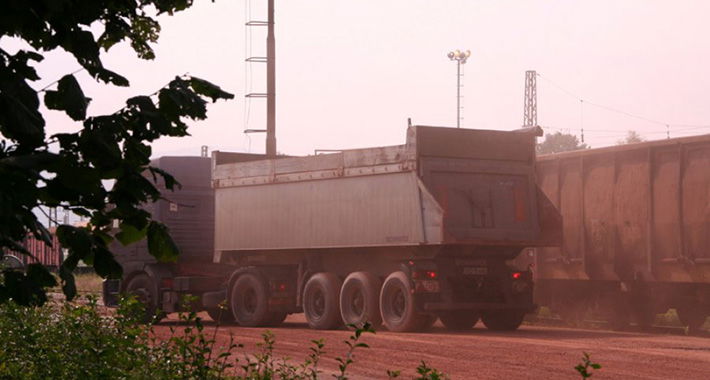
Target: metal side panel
432,216
363,211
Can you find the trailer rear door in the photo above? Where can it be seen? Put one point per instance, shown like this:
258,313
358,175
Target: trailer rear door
484,182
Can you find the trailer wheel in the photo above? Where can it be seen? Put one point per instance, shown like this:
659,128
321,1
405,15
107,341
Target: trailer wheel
320,301
360,301
503,320
397,305
144,289
249,301
459,320
223,316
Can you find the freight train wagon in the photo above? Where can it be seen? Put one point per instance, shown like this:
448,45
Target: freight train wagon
49,256
401,234
636,235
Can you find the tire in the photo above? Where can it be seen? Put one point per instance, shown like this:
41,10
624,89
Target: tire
249,301
503,320
222,316
321,301
459,320
397,305
360,300
146,292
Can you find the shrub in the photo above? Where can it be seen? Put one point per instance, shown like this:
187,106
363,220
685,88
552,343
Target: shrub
78,341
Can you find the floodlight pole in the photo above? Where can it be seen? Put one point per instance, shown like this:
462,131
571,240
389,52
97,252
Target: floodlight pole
460,57
458,94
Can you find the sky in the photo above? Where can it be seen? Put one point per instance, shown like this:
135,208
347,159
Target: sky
350,73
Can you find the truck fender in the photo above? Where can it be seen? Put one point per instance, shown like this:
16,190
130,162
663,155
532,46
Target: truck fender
158,272
130,269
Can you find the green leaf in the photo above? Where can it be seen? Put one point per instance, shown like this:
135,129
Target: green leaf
105,264
30,161
76,239
129,234
20,123
208,89
39,275
170,181
68,98
68,283
160,244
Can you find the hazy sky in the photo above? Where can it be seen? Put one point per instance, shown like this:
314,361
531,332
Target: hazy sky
350,73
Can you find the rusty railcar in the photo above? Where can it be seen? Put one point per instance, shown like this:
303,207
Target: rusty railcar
636,230
50,256
401,235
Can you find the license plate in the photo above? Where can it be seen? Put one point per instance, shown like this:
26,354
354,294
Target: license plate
475,271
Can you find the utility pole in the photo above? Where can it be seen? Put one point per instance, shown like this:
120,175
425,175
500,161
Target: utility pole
270,84
530,101
270,94
460,57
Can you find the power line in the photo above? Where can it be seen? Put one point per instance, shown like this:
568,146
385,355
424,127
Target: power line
622,112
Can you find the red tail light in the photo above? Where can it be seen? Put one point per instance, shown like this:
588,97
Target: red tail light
166,283
278,287
517,275
425,274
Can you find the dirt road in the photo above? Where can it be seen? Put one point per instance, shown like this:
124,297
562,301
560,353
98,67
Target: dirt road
532,352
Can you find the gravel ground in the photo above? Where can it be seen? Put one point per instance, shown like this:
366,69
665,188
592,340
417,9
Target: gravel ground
532,352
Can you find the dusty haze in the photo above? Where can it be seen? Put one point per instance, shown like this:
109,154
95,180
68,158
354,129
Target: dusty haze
349,73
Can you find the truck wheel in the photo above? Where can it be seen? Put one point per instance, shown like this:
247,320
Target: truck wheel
144,289
397,305
249,301
223,316
459,320
320,301
360,301
503,320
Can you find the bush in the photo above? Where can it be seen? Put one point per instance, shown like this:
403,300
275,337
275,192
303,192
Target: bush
78,341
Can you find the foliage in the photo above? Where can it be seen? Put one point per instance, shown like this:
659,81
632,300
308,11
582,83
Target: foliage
586,366
353,343
559,142
427,373
69,170
78,341
632,137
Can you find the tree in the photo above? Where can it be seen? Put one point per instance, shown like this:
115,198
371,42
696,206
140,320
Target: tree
559,142
69,169
632,137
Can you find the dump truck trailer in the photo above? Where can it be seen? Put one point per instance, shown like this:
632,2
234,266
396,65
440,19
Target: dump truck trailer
400,235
